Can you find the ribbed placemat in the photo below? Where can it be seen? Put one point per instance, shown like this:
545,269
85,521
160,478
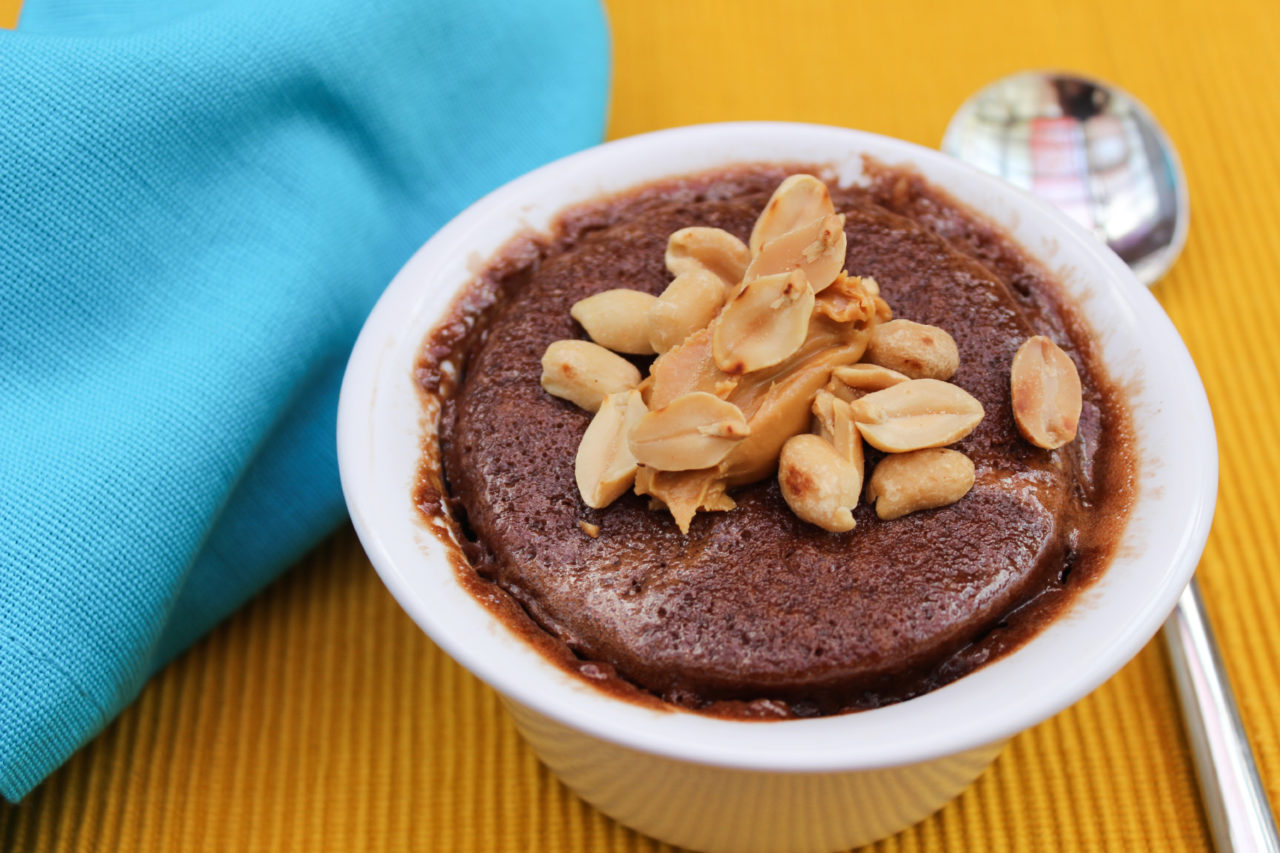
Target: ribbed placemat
320,718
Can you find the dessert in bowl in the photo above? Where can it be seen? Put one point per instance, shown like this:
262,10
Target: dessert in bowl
726,783
747,593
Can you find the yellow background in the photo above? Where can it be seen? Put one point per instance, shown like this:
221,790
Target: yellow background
320,718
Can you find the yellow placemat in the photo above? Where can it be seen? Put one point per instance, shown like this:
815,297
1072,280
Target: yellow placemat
320,718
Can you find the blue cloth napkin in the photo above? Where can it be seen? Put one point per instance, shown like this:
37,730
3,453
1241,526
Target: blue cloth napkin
199,203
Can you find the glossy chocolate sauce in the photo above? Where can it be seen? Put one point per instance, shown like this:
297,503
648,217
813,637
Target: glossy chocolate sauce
755,613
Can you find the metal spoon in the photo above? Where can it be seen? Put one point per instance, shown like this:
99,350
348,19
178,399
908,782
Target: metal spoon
1095,152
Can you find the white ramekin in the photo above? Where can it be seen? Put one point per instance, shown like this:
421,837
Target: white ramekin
818,784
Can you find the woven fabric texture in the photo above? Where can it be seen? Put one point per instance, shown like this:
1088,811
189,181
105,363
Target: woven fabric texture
199,203
320,718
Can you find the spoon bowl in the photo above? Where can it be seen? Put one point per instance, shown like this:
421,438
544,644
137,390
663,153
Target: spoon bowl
1091,150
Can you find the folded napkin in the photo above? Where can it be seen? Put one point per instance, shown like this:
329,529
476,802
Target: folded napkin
199,203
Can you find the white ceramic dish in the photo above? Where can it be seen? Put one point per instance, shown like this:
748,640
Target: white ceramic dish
817,784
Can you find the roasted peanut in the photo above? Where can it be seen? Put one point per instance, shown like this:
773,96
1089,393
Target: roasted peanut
914,349
584,373
819,484
923,479
835,424
764,324
916,414
693,431
816,248
1046,393
689,303
712,249
797,201
605,468
617,319
857,380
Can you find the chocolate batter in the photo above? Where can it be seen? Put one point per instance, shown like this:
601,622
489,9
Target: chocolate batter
754,612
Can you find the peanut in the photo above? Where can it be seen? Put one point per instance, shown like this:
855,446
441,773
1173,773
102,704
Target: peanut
693,431
712,249
916,414
904,483
817,248
797,201
689,303
1046,393
584,373
835,424
819,484
615,319
764,324
857,380
914,349
605,467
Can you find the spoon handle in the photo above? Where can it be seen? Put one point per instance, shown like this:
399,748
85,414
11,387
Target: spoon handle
1234,797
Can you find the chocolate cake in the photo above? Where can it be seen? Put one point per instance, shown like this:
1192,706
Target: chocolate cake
755,611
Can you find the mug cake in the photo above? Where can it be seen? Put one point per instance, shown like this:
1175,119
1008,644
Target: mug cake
754,444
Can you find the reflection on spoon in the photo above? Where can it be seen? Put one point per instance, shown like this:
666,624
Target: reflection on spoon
1091,150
